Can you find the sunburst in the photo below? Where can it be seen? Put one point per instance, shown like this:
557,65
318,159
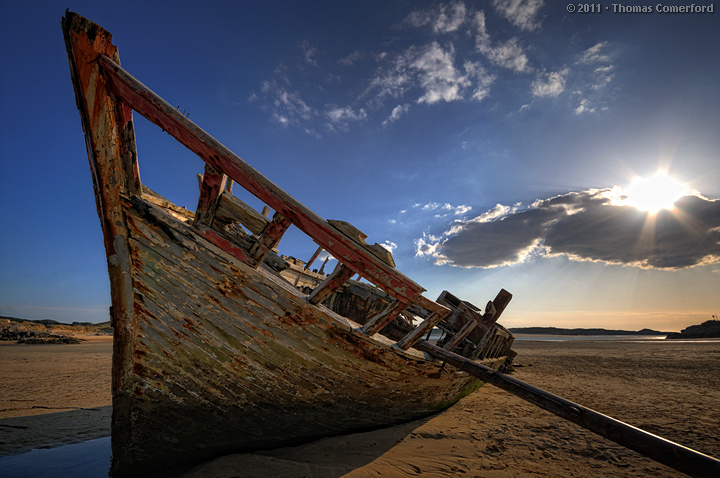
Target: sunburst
654,193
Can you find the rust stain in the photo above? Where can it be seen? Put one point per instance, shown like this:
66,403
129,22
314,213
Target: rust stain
211,350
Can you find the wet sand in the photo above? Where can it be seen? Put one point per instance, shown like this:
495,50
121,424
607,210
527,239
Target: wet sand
52,395
670,389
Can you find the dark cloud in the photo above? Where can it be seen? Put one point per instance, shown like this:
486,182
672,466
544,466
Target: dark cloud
587,225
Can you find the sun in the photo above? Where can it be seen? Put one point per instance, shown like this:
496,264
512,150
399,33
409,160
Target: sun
654,193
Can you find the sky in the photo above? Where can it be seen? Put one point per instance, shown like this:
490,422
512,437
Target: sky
489,144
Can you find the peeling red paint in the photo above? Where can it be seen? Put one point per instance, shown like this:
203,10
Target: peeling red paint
207,342
224,244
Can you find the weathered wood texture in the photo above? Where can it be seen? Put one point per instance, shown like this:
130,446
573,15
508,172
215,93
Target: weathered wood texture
110,143
212,354
228,357
333,282
300,277
269,238
421,330
231,209
382,319
473,333
211,187
343,248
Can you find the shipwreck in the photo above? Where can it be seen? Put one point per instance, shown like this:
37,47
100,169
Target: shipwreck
222,344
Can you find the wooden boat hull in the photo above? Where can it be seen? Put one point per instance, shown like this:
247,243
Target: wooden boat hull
214,350
228,358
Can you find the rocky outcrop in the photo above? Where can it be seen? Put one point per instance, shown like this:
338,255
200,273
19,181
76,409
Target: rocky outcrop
706,330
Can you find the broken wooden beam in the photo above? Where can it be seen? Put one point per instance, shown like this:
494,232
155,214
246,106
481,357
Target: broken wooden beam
211,188
387,315
231,209
460,335
315,255
500,302
333,282
270,238
418,332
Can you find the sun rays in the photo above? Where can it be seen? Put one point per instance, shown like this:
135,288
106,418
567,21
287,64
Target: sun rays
654,193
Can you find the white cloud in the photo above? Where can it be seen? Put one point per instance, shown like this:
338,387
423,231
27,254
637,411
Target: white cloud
602,77
287,106
438,76
460,210
340,117
508,54
450,18
521,13
394,82
483,80
584,107
549,84
309,53
389,245
350,59
397,112
443,18
482,37
429,245
432,69
594,73
596,54
442,210
583,226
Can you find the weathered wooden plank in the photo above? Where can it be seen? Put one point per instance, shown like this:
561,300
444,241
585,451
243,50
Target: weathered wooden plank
231,209
271,303
270,238
211,187
333,282
110,143
460,335
179,255
315,255
188,298
421,330
178,212
484,344
211,151
378,322
500,302
359,237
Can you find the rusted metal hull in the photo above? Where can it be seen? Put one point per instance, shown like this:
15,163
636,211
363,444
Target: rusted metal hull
228,358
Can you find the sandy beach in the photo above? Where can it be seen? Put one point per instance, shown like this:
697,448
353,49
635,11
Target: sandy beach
52,395
58,394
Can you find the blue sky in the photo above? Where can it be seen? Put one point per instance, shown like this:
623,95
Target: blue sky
489,144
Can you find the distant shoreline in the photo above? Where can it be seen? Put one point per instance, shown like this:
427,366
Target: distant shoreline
561,331
707,330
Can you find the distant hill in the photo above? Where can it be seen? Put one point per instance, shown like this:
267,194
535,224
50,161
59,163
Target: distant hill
560,331
46,331
707,330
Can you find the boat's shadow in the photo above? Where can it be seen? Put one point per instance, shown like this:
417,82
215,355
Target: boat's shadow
325,458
